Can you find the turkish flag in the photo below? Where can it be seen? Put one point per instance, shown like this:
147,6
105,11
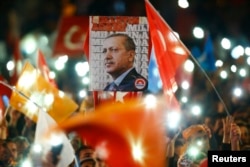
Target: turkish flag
71,35
123,134
170,52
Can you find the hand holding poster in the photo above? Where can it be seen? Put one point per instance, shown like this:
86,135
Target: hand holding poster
119,53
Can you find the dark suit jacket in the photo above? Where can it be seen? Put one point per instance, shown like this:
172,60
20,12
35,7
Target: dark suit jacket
133,81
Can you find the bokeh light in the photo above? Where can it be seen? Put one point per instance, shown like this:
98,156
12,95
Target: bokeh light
223,74
183,4
225,43
237,51
196,110
198,32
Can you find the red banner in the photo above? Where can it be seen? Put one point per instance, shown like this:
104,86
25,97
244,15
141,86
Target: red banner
71,35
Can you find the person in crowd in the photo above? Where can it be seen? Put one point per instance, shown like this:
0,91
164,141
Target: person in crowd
29,129
231,137
6,159
3,129
86,156
196,145
23,145
11,145
119,56
48,160
174,146
231,134
16,123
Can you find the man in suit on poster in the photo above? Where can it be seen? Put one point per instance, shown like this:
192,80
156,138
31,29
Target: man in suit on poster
119,52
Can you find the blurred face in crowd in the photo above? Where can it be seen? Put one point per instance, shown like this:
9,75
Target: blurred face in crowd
5,154
245,135
21,147
14,115
86,153
209,122
117,57
88,158
13,149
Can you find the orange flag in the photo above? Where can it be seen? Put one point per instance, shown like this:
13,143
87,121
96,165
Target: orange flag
170,52
43,67
123,134
32,89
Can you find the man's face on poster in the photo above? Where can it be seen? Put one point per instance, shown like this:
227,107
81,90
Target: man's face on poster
116,58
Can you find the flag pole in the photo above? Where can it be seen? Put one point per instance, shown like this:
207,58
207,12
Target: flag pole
20,93
7,110
211,83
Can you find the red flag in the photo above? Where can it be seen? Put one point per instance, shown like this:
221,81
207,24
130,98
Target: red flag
170,52
123,134
71,34
86,45
2,108
4,90
43,67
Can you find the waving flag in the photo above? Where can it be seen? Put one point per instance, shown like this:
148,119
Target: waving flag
207,57
123,134
44,123
170,52
70,37
43,67
32,88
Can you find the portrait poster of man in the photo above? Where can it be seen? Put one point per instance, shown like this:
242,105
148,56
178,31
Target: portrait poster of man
119,53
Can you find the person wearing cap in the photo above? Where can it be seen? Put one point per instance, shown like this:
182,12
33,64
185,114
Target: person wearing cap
119,55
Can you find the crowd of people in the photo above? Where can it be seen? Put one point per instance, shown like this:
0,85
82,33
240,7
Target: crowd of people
221,132
17,138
